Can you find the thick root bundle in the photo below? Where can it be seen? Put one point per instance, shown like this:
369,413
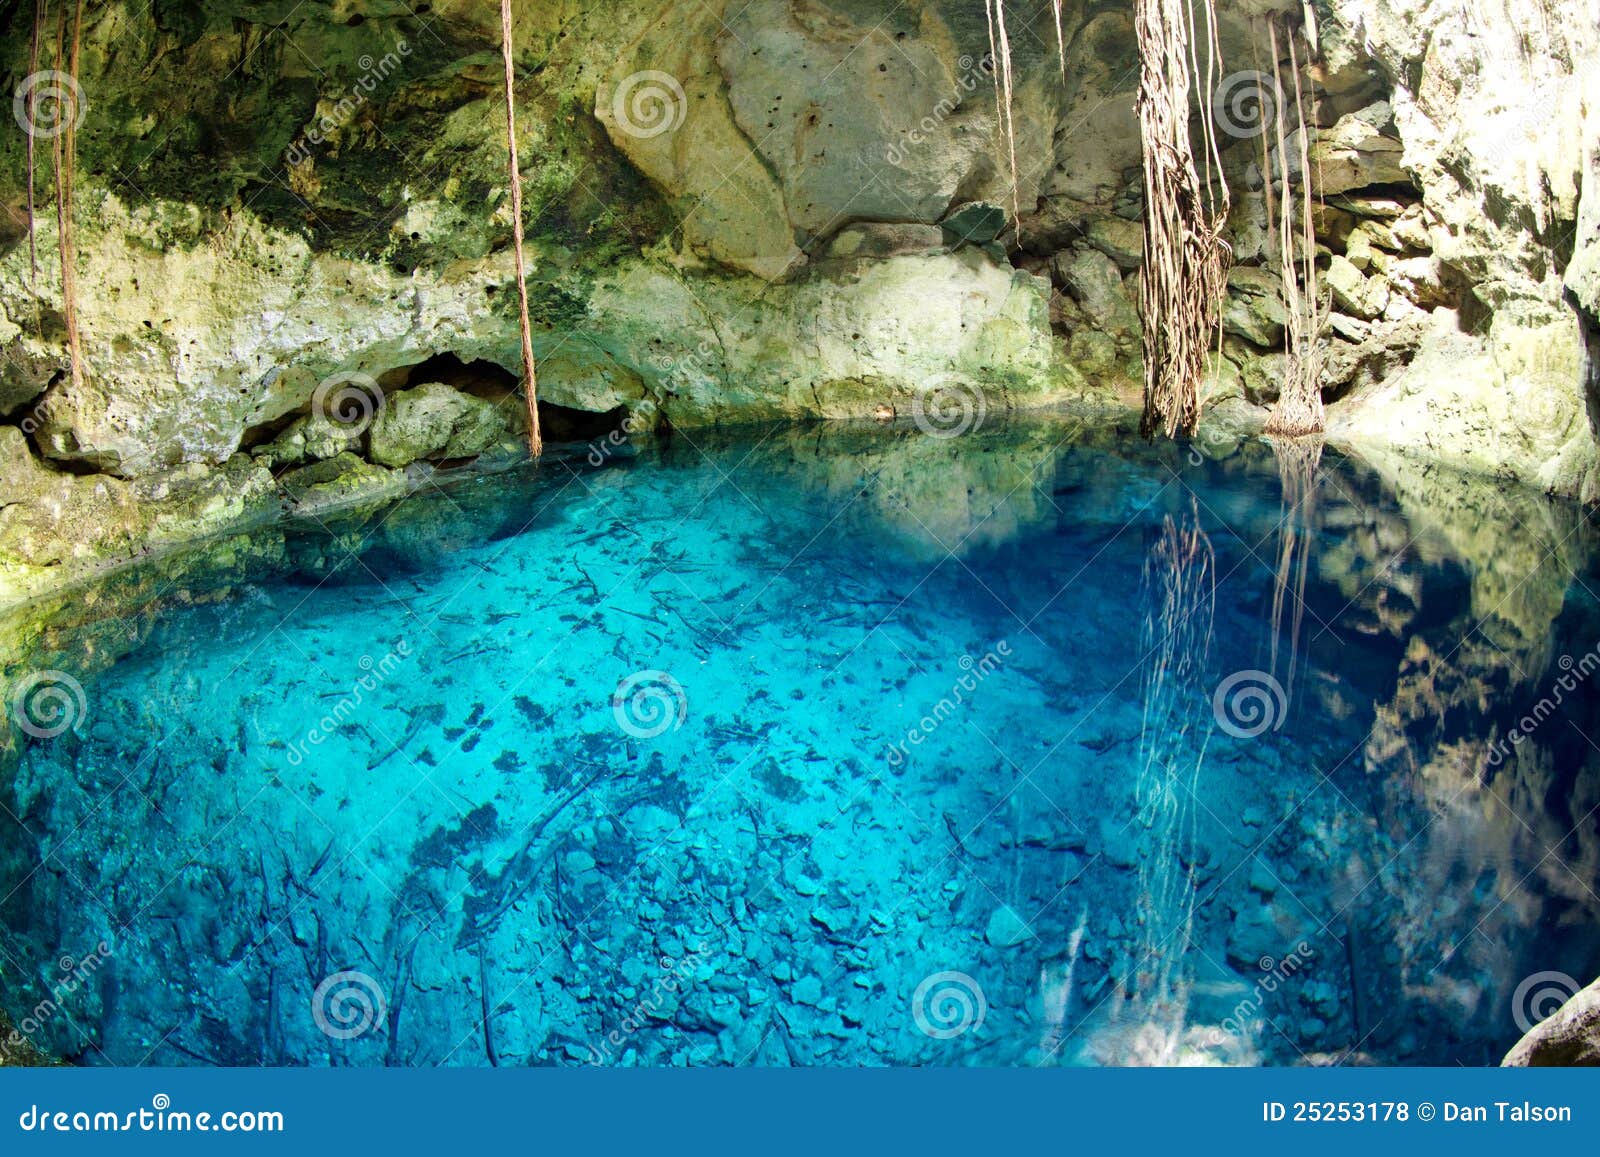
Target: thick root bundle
1185,258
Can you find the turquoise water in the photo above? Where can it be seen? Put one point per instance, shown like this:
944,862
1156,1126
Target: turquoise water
794,747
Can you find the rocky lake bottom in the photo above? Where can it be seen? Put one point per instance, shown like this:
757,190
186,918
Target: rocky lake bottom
822,747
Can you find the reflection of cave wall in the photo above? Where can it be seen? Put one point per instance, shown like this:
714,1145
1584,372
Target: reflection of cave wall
1447,619
1513,849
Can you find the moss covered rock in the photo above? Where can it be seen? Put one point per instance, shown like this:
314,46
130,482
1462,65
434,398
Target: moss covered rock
434,421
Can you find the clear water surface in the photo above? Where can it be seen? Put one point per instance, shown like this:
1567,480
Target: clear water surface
855,746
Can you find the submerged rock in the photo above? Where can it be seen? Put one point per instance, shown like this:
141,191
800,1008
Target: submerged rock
1007,929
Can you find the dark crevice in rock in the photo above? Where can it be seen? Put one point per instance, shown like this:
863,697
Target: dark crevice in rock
483,379
264,432
75,466
1589,329
1403,192
565,424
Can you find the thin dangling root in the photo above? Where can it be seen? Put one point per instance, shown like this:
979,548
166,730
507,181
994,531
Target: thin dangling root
1061,39
33,116
1000,52
529,369
64,151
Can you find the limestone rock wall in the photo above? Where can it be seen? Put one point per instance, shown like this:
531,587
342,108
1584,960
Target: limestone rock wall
1497,108
737,211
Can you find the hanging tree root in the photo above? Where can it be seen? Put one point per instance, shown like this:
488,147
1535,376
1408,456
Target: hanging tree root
529,370
1298,461
63,160
1299,410
1000,53
1185,258
33,118
64,155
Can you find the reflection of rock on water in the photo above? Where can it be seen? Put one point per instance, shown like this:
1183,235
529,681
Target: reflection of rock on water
933,497
1512,847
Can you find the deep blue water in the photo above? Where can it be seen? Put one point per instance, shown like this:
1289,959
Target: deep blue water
793,747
